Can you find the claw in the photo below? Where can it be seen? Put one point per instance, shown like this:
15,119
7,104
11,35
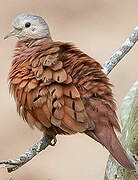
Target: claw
54,141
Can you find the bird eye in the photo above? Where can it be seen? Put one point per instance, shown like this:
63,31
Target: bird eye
27,25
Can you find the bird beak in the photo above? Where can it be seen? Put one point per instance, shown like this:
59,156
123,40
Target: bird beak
14,32
9,34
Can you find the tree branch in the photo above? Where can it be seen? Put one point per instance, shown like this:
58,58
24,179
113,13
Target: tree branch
12,165
121,52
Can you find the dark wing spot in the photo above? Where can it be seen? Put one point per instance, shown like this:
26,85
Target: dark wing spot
53,110
54,100
73,105
53,91
36,98
45,67
58,78
75,116
70,93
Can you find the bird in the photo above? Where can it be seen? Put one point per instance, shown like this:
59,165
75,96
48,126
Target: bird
61,90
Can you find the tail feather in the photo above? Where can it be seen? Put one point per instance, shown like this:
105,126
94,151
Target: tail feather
107,137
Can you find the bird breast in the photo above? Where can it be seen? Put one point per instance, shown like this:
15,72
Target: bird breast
43,89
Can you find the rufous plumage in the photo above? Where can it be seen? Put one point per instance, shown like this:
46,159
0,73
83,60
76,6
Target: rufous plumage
61,90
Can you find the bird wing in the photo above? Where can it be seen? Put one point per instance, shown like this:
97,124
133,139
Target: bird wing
62,98
93,86
46,93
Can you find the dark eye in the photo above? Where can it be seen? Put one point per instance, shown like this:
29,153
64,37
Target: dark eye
27,25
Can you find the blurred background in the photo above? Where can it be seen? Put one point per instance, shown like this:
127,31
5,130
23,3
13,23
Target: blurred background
96,27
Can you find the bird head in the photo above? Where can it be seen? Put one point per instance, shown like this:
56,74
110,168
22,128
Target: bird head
29,26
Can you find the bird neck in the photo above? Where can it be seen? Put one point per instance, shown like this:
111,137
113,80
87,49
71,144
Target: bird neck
39,41
31,45
25,50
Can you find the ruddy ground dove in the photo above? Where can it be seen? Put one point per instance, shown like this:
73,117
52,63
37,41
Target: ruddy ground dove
61,90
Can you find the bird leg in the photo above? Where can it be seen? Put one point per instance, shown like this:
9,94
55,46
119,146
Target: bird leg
12,165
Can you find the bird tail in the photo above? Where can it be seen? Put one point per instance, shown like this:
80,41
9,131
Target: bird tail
107,137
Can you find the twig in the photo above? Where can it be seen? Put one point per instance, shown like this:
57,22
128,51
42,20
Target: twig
121,52
12,165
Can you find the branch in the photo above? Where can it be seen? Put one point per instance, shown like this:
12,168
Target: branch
121,52
12,165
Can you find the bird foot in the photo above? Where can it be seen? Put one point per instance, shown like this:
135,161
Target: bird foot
54,141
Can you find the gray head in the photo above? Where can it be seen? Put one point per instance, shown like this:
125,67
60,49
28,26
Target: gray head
29,26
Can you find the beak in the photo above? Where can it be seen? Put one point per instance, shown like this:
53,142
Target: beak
9,34
14,32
